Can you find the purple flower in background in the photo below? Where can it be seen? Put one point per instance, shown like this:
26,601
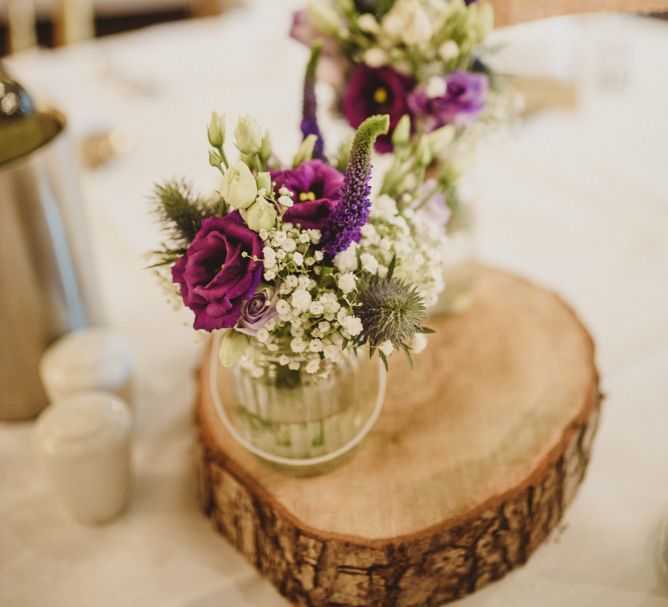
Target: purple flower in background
463,100
257,311
380,90
214,275
352,211
316,187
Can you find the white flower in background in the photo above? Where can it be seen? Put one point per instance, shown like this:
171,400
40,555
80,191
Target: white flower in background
436,87
375,57
384,207
286,201
315,345
313,365
408,21
367,23
298,258
283,360
301,300
239,188
449,50
369,263
347,282
248,135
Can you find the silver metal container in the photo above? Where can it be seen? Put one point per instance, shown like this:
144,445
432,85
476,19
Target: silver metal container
46,275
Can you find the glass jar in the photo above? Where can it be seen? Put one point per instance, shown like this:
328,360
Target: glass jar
300,422
461,269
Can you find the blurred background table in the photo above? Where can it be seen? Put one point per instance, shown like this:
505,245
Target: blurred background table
575,197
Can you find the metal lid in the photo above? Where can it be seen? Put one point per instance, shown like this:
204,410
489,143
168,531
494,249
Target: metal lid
23,129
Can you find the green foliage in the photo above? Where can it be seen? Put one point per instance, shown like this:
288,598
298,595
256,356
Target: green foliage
180,211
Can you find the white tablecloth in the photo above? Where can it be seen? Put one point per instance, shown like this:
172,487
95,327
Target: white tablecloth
576,200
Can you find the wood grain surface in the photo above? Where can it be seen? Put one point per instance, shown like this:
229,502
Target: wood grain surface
476,454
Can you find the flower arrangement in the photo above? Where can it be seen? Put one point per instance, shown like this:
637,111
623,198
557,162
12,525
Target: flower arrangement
421,58
295,265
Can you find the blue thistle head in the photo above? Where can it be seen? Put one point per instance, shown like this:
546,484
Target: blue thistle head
352,211
309,124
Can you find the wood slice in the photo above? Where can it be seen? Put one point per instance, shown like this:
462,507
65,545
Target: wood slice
474,457
510,12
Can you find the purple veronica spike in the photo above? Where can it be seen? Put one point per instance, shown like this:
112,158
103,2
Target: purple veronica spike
309,125
352,211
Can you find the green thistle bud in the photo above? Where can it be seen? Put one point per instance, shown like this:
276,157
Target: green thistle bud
390,310
216,130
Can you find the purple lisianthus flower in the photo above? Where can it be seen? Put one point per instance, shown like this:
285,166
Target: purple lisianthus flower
215,276
316,188
463,100
380,90
256,311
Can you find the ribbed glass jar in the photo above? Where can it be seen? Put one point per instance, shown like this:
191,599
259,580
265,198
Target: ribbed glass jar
300,422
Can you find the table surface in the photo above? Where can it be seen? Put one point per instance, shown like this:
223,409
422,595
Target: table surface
574,199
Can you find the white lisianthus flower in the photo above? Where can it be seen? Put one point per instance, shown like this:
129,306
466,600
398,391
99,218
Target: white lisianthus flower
301,300
346,261
347,282
239,188
369,263
386,347
261,215
248,135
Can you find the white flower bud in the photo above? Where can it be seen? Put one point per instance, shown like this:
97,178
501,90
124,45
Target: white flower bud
402,132
232,346
239,188
248,135
263,181
440,139
375,57
261,215
216,129
436,87
449,50
305,151
323,17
